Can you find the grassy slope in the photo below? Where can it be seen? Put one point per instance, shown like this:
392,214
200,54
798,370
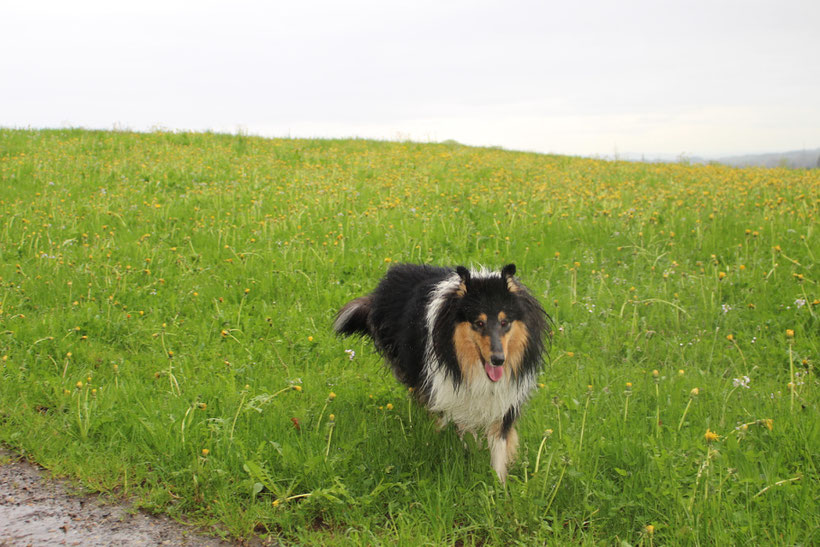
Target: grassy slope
162,294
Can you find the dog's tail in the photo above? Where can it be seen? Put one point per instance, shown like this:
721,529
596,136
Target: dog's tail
352,318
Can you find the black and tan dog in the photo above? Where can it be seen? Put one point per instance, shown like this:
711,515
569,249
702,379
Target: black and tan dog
470,343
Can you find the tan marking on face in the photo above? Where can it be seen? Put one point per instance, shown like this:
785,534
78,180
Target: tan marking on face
501,316
514,343
467,355
482,317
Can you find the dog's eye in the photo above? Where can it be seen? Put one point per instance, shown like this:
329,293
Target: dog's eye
479,324
504,324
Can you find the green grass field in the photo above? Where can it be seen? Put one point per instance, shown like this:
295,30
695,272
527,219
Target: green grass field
166,302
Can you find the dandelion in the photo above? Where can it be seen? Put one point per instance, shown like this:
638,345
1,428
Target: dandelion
330,397
547,435
389,406
711,436
205,452
650,530
628,393
297,388
310,339
692,394
331,426
790,337
656,377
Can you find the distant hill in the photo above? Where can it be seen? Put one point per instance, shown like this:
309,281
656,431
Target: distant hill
797,159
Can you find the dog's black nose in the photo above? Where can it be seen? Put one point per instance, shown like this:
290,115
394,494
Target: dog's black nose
497,359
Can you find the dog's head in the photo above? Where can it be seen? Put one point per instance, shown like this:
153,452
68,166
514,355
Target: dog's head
491,334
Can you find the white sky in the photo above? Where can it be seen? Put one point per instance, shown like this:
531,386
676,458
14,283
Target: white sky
596,77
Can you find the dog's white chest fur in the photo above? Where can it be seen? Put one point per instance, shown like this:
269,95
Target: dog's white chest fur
475,405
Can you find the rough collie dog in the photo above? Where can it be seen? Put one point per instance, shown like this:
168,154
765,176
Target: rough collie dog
470,344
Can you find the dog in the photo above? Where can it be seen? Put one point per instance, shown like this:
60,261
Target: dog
470,344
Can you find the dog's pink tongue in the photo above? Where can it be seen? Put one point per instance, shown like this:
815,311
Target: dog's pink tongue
493,373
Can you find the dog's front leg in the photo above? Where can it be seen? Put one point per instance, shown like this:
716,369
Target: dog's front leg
503,444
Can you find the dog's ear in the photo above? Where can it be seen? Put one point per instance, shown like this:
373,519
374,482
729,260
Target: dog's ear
507,274
464,274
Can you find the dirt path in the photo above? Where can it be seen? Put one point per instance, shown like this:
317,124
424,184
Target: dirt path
36,510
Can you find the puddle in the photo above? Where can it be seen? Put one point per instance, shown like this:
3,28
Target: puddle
38,510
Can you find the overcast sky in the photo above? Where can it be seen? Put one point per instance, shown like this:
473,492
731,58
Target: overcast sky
694,77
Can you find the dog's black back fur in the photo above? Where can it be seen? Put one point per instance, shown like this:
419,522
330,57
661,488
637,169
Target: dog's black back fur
397,320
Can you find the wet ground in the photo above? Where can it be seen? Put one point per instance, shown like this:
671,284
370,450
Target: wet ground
38,510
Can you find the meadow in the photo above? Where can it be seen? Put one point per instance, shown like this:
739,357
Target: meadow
165,310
